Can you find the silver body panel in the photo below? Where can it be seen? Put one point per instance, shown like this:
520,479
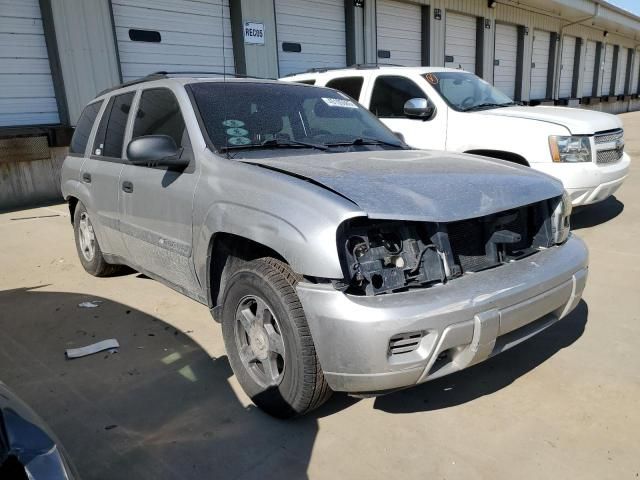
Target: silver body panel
295,205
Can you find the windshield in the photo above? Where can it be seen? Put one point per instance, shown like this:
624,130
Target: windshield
247,115
464,91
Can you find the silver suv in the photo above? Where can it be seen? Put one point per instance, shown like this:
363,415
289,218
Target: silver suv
335,257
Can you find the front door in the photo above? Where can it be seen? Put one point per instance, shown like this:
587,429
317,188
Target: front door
388,96
156,203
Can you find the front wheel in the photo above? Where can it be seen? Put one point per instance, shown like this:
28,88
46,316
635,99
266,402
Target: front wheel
268,340
87,245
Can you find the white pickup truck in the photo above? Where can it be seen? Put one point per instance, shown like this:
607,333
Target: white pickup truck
447,109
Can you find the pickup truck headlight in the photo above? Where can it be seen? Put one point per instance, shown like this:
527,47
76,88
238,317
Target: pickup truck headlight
560,222
571,149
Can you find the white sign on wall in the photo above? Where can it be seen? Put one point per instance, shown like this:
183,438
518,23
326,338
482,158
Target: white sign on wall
254,33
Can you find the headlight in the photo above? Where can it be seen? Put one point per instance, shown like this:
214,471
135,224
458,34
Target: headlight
561,223
570,149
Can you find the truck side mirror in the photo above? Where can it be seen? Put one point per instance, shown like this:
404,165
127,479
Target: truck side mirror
156,151
420,108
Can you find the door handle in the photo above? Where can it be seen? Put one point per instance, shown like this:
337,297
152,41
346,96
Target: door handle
127,187
86,177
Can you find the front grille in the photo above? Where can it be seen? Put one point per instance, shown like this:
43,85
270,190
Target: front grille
609,146
404,343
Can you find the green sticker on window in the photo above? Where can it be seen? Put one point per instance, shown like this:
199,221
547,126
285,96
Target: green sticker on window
237,132
238,141
233,123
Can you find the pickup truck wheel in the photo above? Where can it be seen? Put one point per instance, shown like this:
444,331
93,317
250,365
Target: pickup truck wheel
268,340
87,245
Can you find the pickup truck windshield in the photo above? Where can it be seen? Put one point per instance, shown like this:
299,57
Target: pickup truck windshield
465,92
248,115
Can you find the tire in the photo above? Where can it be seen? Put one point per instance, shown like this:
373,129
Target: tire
88,249
298,384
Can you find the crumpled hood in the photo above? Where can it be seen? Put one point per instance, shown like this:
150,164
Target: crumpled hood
421,185
579,121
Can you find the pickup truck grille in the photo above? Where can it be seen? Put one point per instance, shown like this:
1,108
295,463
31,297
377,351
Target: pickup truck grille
609,146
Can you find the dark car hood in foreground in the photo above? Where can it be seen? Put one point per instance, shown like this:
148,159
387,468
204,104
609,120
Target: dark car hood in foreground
25,437
421,185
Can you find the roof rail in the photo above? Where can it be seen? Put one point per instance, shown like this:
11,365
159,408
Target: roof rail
357,66
163,74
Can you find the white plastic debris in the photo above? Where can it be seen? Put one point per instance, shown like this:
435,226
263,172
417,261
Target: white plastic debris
91,304
111,344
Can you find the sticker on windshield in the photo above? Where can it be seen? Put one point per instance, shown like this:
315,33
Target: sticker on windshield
431,78
233,123
238,141
237,132
338,102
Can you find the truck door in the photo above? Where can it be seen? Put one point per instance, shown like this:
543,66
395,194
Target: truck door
156,203
387,99
101,173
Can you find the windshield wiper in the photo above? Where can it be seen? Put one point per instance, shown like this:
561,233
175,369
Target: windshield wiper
488,105
274,143
365,141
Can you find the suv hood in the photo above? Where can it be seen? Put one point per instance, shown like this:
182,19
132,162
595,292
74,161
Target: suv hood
579,121
420,185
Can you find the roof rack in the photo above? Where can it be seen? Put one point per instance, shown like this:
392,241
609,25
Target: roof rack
163,75
357,66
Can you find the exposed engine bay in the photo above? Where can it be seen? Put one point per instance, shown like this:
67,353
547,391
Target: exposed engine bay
391,256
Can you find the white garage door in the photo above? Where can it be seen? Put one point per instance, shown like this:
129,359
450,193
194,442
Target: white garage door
607,69
399,33
540,64
622,70
311,34
172,35
26,86
505,58
635,74
589,68
460,41
567,59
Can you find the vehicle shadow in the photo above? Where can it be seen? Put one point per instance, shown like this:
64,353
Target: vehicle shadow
593,215
490,376
160,408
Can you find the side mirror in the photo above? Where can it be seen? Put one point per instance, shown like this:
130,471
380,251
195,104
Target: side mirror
419,108
400,136
155,151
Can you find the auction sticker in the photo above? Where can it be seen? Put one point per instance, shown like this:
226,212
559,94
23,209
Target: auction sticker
237,132
238,141
338,102
431,78
233,123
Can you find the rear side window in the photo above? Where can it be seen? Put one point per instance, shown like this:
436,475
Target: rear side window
349,85
83,128
390,94
110,135
159,114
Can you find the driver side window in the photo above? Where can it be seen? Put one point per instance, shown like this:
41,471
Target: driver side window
390,94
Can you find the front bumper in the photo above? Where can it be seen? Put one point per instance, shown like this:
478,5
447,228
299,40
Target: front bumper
462,323
588,182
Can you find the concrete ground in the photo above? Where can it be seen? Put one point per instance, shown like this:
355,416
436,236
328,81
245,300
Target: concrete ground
564,405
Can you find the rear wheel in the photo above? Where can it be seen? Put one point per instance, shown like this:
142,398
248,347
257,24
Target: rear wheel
268,340
87,245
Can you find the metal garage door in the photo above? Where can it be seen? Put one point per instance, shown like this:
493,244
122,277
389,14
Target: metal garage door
172,35
311,34
399,33
460,41
26,87
607,69
589,68
540,64
505,58
622,70
567,59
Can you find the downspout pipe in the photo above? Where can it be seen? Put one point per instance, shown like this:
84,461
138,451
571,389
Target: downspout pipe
556,81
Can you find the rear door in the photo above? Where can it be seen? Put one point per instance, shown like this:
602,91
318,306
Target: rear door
505,59
156,203
101,173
